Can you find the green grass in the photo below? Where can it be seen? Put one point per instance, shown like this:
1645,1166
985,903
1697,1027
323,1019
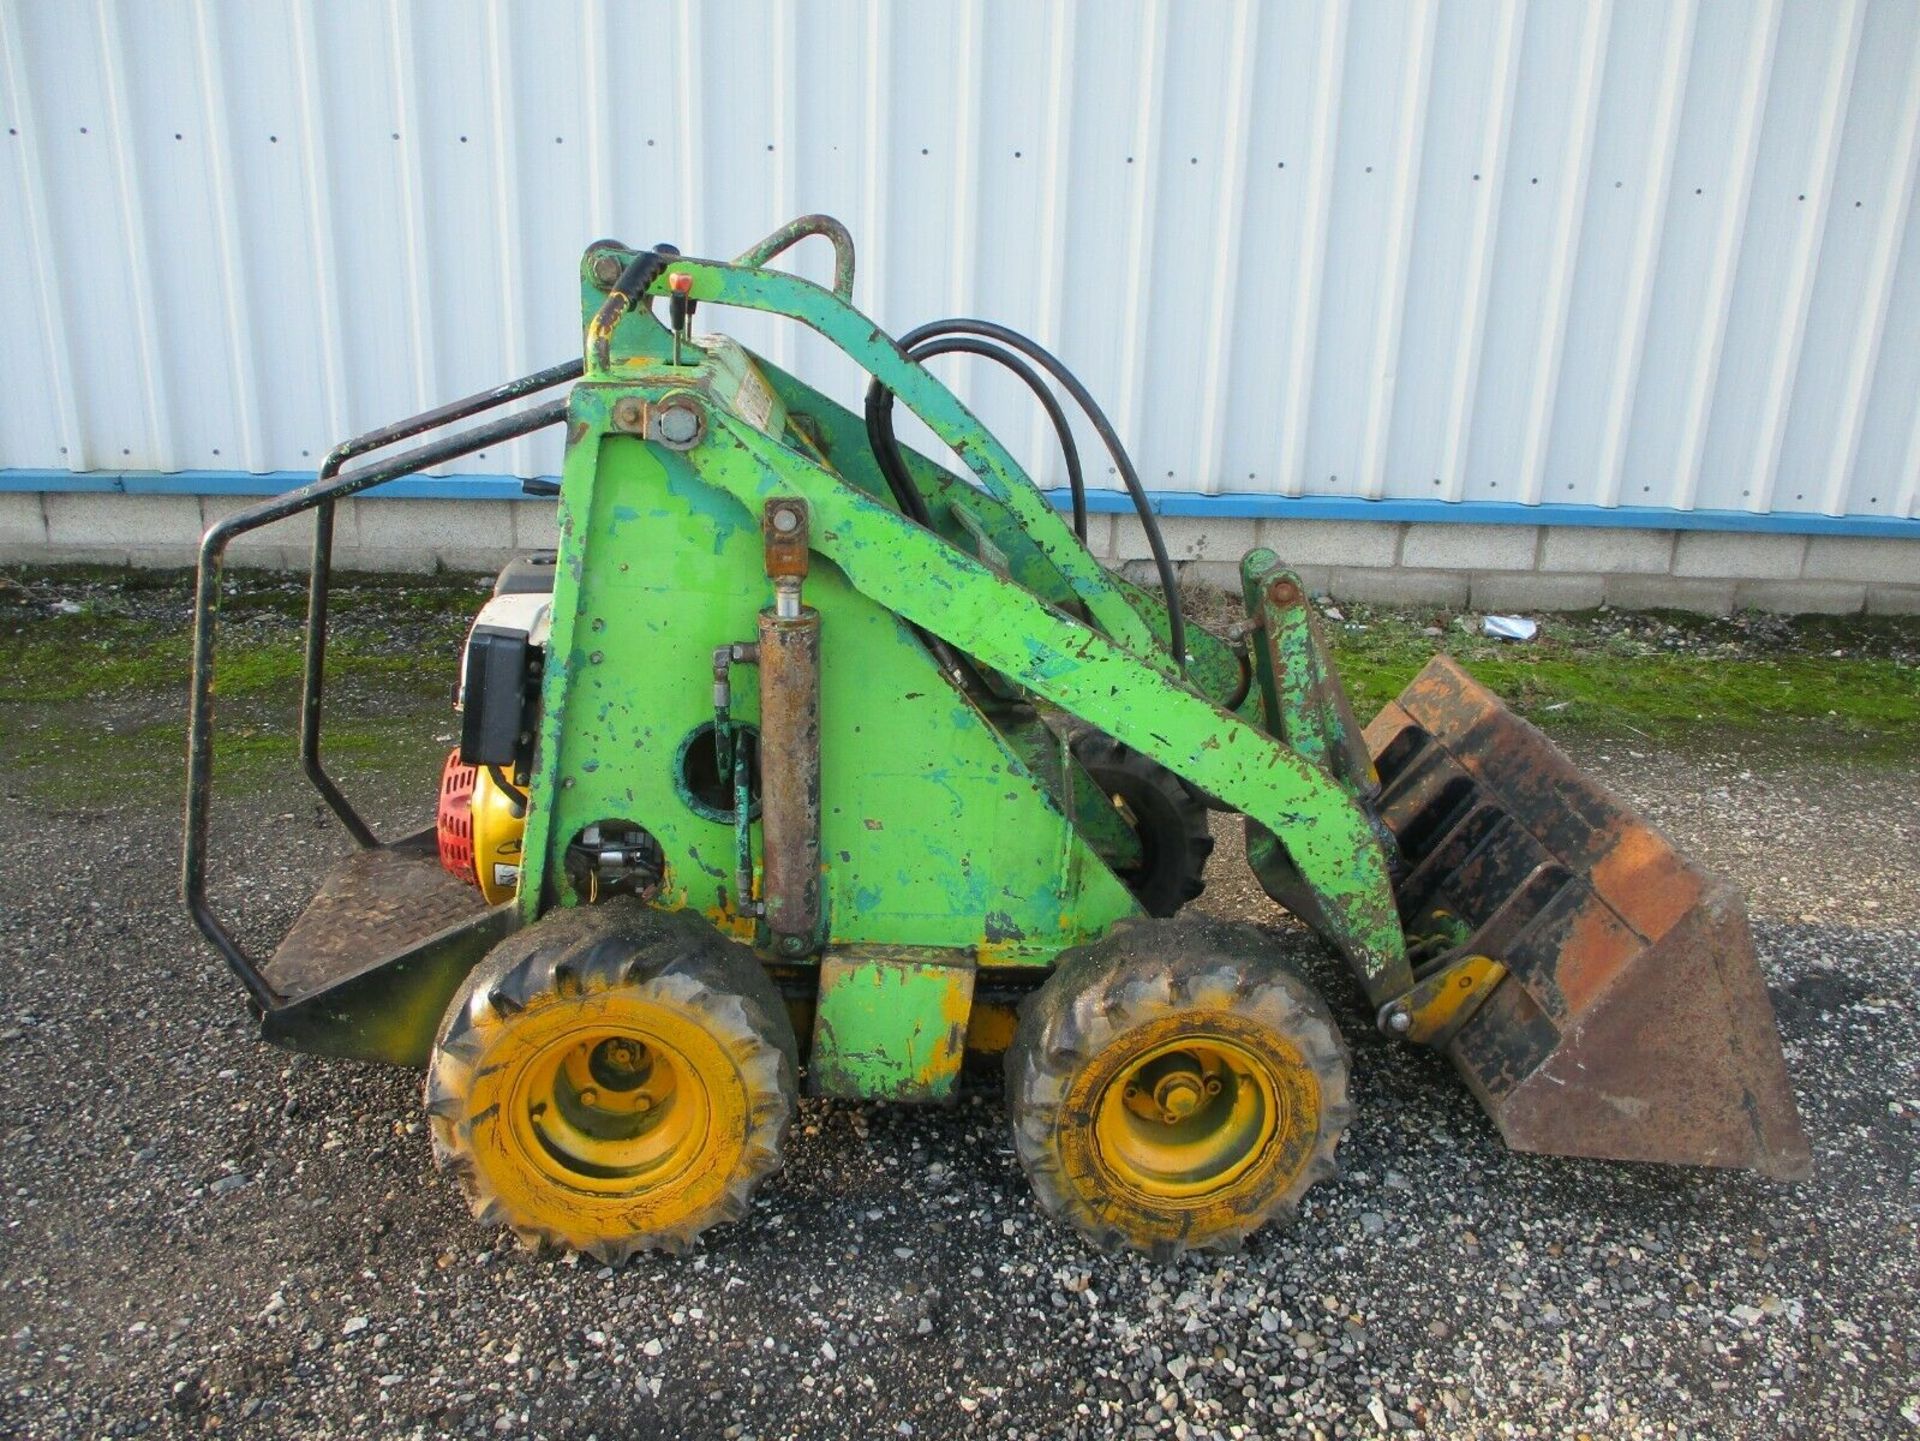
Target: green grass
96,666
131,630
65,759
93,700
76,657
1666,678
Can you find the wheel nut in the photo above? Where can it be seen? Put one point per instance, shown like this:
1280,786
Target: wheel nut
1180,1100
589,1097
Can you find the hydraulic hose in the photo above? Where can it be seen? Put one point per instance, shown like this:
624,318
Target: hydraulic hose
885,446
880,435
887,451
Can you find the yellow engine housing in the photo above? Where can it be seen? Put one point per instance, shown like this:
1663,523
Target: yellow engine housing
480,826
499,823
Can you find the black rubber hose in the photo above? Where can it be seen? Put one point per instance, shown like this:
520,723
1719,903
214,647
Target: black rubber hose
879,398
510,790
886,453
885,446
1062,427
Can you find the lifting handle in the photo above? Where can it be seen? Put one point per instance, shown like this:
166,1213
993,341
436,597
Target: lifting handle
793,232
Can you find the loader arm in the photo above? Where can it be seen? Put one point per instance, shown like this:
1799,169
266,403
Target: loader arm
943,590
871,348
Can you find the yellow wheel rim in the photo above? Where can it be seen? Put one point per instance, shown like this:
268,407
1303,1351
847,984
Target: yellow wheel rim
601,1116
1187,1118
610,1109
1187,1113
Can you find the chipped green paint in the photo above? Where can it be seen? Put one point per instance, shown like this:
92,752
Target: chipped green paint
1304,703
955,830
947,592
914,775
838,439
890,1023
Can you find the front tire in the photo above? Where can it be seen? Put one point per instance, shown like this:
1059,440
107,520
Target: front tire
1170,822
613,1079
1174,1087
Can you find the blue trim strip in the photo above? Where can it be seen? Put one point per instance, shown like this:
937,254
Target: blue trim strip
1494,512
246,482
1166,502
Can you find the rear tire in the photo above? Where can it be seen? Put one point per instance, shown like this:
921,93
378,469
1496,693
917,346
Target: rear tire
1174,1087
613,1079
1170,821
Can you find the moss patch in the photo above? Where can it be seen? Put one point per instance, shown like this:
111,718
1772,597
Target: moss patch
79,632
1672,678
92,709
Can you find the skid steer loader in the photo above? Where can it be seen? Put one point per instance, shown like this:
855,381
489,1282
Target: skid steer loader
806,757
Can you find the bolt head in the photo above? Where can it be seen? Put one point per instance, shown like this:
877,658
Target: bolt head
606,269
679,424
1400,1022
629,413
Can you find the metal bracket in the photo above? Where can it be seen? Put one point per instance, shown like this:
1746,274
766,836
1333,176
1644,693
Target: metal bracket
1304,703
783,529
1438,1005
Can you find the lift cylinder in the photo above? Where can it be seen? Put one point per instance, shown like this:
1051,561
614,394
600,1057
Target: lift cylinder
790,777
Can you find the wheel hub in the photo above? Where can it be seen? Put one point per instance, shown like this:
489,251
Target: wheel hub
612,1107
1188,1118
621,1064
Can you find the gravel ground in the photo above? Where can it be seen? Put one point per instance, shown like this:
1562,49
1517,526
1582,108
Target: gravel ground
202,1234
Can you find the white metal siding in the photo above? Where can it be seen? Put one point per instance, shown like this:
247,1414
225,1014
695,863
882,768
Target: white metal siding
1484,250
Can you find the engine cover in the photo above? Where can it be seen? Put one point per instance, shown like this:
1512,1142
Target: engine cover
500,680
480,829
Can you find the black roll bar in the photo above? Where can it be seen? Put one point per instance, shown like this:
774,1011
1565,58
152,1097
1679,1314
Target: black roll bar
328,487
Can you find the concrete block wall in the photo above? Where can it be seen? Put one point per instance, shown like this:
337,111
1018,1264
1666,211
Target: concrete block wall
1453,565
1546,568
368,533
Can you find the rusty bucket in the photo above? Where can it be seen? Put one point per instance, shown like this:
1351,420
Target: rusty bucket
1632,1022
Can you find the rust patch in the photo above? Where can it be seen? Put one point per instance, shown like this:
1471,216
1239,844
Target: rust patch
1633,1023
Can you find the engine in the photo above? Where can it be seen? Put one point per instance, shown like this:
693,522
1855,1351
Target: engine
482,812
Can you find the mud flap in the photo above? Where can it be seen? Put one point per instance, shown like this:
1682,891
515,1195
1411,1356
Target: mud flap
1632,1022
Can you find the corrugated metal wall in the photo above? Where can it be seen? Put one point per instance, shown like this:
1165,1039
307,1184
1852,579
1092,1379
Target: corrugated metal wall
1482,250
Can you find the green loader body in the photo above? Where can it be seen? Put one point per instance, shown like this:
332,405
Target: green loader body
905,759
